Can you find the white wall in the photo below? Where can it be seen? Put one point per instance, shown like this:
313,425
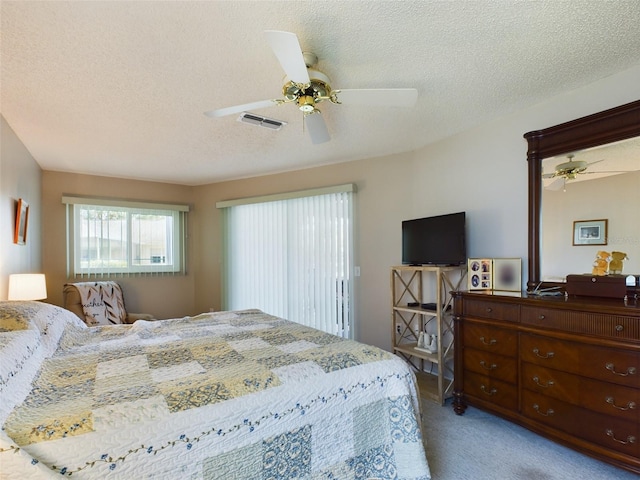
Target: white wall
484,170
20,177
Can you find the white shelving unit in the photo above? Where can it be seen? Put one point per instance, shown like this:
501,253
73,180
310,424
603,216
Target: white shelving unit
429,287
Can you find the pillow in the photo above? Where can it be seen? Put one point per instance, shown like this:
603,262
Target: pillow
49,321
101,302
30,332
17,316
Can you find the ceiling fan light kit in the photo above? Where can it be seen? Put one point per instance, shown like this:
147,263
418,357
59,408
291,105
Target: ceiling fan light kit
307,87
569,170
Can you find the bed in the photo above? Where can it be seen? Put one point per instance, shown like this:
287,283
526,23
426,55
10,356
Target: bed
227,395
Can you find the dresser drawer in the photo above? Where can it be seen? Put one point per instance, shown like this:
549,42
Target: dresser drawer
607,326
491,310
612,365
614,433
553,383
553,412
492,390
491,364
550,353
610,399
490,339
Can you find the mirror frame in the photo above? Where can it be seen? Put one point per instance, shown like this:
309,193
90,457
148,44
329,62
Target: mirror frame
609,126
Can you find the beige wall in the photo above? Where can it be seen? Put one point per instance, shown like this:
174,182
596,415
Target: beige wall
482,171
382,200
20,177
163,296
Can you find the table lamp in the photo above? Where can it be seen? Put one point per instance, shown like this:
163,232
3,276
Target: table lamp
27,286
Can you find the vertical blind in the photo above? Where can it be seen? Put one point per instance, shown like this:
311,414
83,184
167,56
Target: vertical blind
292,257
107,237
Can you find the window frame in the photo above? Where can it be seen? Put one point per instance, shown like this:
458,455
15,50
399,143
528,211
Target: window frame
75,205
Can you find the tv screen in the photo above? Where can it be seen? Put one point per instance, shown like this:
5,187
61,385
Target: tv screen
436,240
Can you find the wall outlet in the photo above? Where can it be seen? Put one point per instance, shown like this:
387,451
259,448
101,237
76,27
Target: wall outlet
398,329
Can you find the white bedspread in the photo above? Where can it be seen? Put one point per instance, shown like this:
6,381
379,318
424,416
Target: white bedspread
229,395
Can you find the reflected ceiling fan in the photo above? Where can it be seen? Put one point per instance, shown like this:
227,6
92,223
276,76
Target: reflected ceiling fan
307,87
570,171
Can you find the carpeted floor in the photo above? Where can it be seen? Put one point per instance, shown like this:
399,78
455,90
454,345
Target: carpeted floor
480,446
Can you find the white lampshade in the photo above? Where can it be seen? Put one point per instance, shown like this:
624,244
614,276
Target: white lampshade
27,286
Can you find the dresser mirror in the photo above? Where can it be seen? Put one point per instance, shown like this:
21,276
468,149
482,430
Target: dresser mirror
608,141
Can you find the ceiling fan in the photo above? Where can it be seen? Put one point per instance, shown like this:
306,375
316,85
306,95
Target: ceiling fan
571,169
307,87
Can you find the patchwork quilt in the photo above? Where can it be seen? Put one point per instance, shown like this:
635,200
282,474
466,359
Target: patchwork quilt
227,395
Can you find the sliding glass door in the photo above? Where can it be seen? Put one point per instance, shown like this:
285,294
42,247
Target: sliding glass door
293,258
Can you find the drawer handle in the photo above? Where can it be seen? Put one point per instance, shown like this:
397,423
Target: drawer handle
493,391
543,385
630,438
541,317
547,414
619,328
546,355
611,401
612,368
489,309
484,365
493,341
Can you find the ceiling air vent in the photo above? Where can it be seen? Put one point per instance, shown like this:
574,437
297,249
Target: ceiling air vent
265,122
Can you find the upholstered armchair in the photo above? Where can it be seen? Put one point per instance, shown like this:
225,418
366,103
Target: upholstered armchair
99,303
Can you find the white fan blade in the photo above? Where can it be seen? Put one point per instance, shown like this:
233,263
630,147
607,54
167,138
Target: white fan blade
557,184
548,175
379,97
287,48
317,128
221,112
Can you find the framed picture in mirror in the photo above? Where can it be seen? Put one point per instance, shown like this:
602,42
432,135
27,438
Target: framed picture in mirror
590,232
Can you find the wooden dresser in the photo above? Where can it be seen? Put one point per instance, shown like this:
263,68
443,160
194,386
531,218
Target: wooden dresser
566,368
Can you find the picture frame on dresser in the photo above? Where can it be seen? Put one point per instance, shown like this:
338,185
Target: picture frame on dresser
480,273
507,274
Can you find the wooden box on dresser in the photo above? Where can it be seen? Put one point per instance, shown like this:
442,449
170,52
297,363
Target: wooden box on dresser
567,368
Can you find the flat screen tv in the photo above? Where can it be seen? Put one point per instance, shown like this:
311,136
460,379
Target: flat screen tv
436,240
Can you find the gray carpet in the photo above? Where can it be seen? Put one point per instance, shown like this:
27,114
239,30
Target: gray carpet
480,446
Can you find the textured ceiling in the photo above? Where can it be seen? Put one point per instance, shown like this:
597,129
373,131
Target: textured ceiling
119,88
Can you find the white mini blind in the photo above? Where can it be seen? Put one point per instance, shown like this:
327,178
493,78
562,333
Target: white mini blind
293,258
111,237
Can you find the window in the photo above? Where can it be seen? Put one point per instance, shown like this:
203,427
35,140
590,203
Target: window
109,237
292,256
